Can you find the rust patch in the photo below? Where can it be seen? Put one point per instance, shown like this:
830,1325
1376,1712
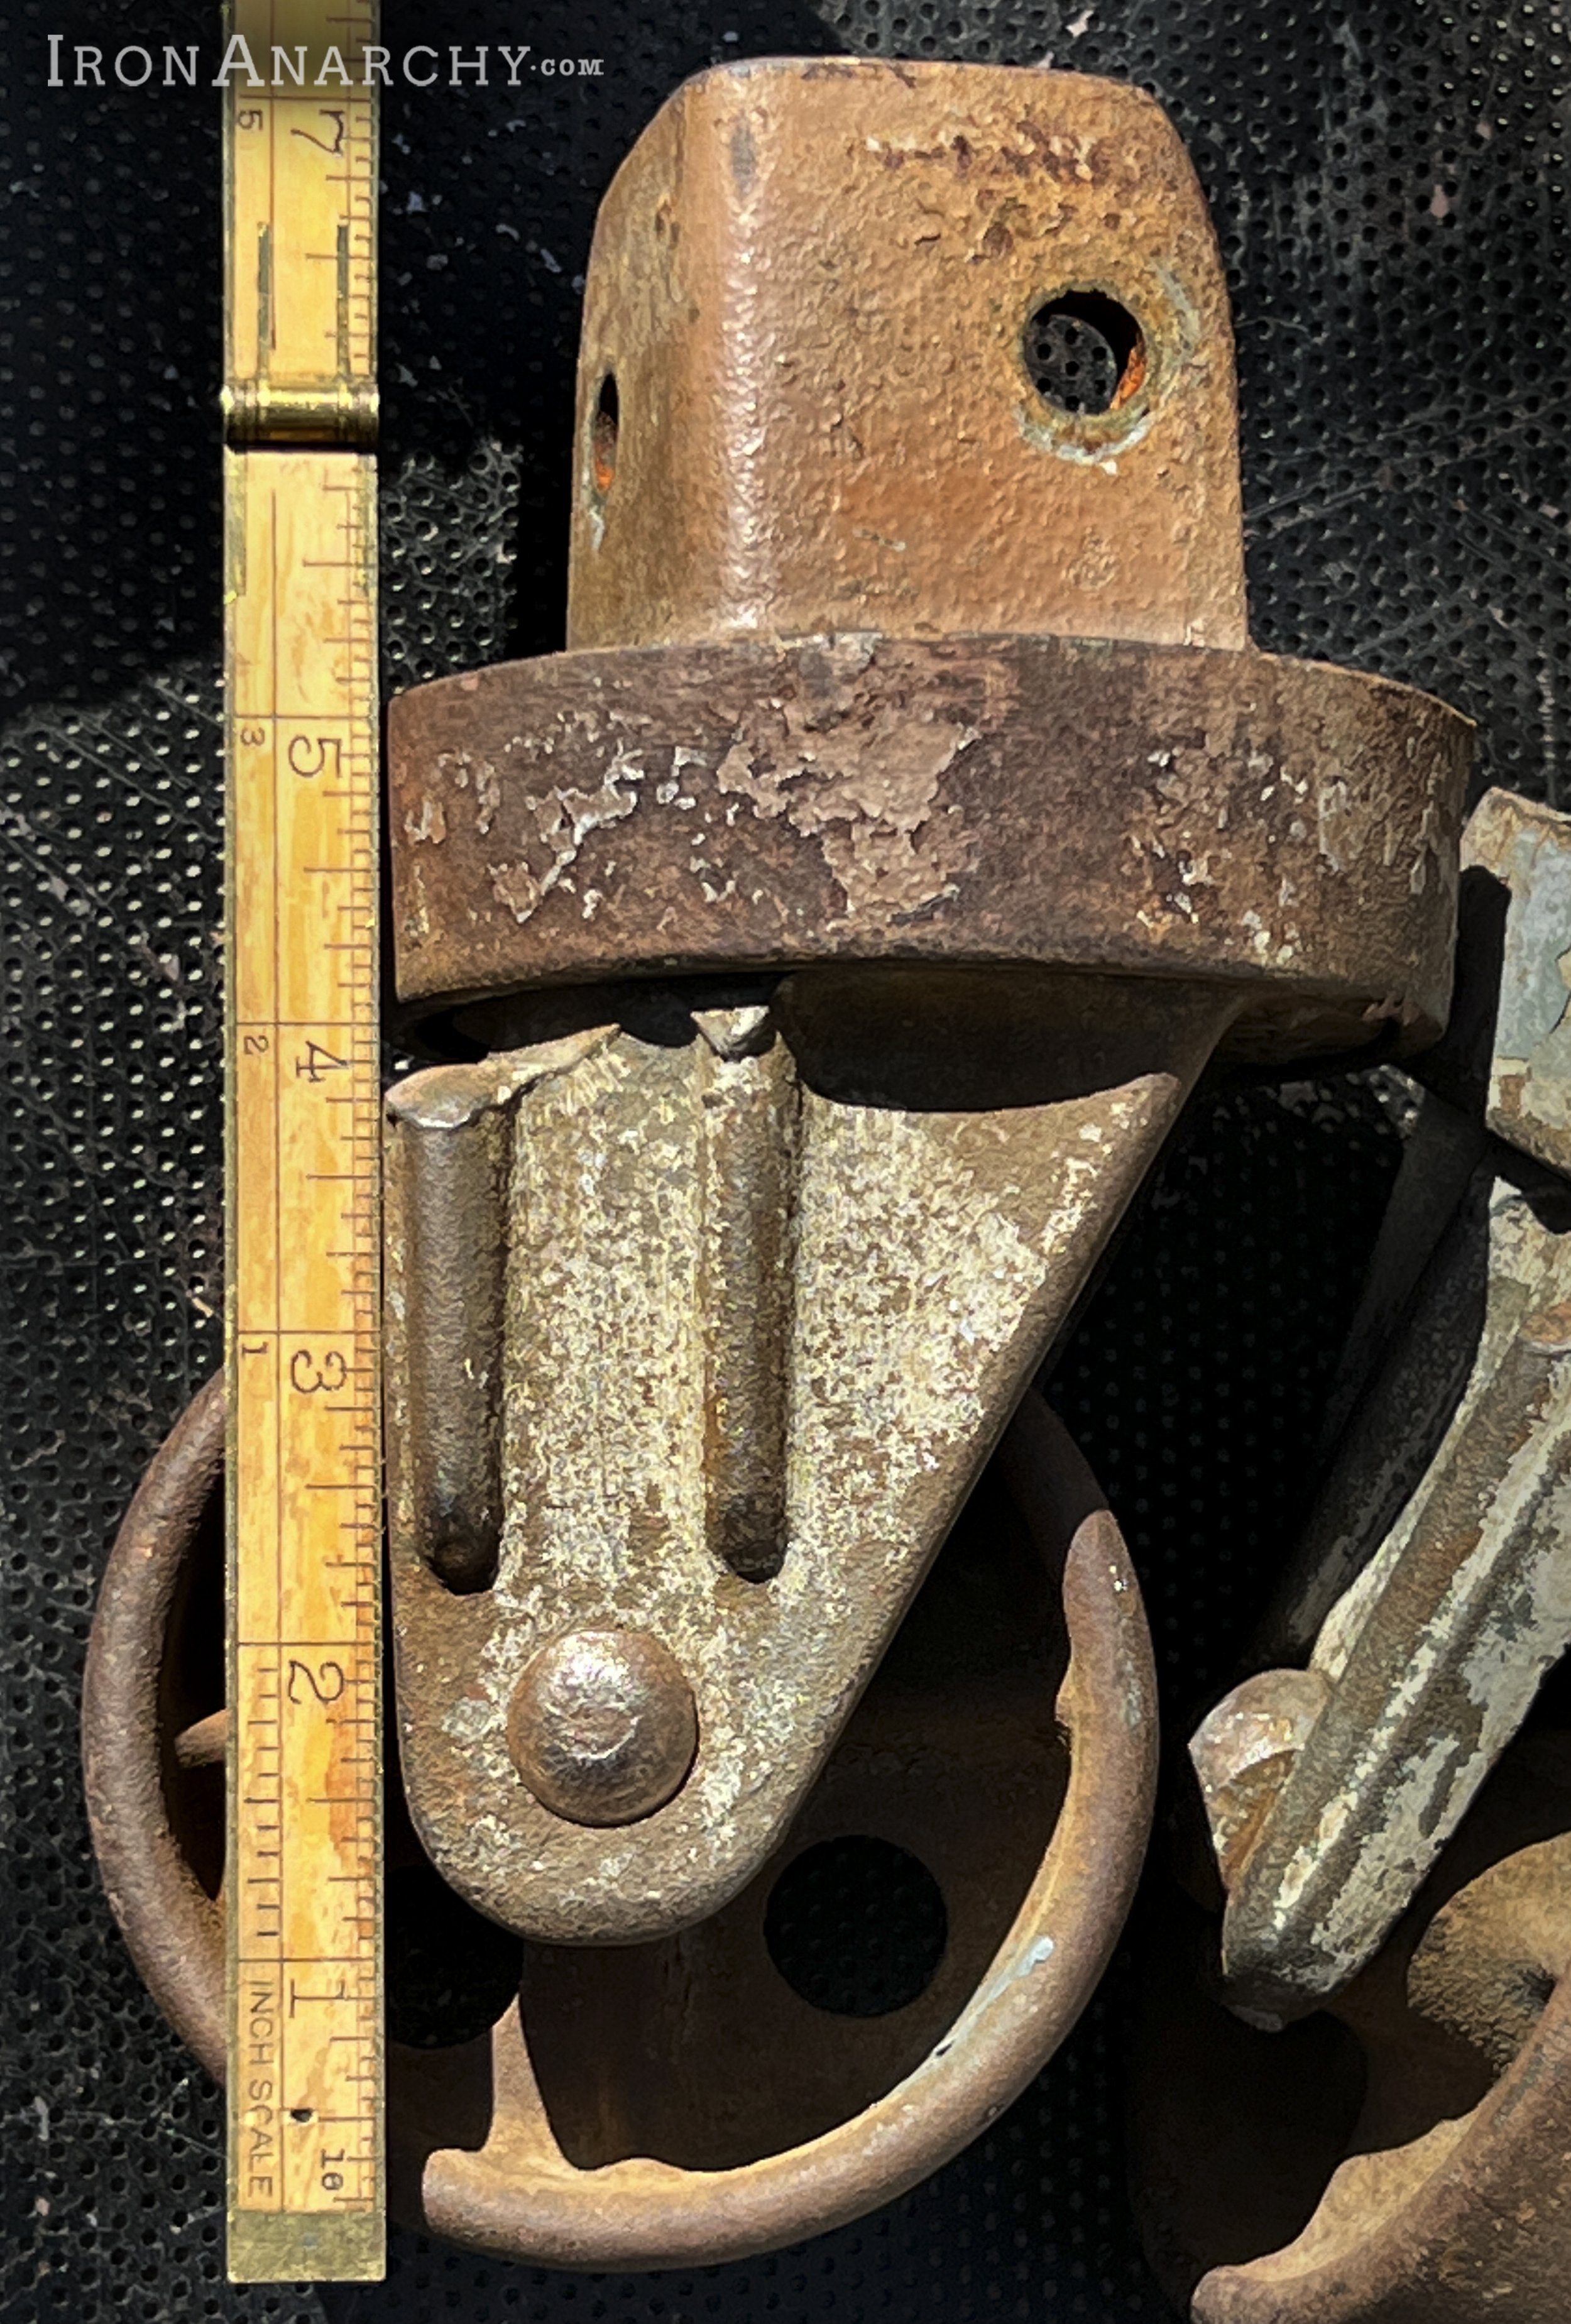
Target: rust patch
1283,827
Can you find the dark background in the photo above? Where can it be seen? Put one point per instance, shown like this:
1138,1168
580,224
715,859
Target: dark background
1389,186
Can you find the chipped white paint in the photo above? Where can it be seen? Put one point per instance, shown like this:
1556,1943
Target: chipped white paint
861,778
563,820
927,1259
1529,849
1434,1655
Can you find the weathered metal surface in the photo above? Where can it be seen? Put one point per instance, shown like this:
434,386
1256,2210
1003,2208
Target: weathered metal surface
138,1705
1281,826
1528,848
455,1164
1035,830
1433,1582
910,716
692,2003
1417,2173
602,1726
776,1277
1433,1658
1406,2164
615,2116
1245,1750
880,649
811,285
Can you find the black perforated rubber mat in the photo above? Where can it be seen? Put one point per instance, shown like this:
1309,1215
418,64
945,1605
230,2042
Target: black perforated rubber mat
1389,182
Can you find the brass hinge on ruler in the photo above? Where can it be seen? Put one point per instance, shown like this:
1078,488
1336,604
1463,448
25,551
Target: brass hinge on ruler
306,2072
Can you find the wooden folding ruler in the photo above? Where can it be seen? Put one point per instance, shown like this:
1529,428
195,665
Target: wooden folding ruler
304,1871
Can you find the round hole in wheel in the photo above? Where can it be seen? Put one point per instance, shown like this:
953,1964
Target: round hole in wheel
1085,354
856,1926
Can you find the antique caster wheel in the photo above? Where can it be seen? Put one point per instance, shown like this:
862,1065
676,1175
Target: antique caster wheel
823,947
755,2079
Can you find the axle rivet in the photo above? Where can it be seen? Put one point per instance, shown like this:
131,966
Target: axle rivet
603,1727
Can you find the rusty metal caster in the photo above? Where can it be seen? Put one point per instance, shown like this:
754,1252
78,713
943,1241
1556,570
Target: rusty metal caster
679,2101
834,933
1391,1823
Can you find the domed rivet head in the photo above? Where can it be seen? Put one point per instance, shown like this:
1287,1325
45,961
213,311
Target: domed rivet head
603,1727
